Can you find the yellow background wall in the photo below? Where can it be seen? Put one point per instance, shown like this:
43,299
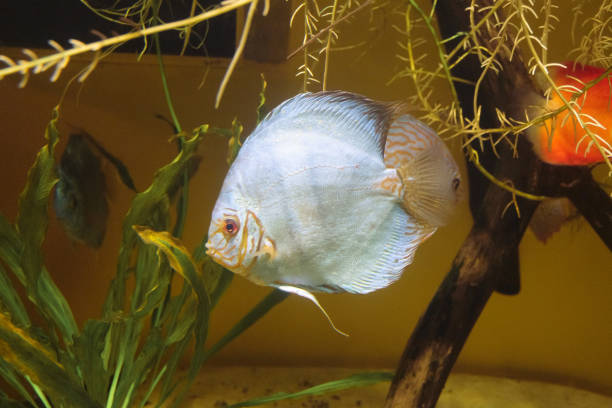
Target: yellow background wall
559,327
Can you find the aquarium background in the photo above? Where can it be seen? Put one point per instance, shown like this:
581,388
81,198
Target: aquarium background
558,328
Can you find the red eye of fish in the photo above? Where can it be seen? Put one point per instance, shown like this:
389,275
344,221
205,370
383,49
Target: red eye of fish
230,226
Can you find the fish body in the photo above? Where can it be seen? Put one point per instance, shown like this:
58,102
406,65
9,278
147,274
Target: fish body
561,140
80,196
310,204
80,201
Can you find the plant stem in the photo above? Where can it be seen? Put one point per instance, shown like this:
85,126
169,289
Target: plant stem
183,201
263,307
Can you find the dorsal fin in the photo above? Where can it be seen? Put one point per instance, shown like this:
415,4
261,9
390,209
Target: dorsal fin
365,119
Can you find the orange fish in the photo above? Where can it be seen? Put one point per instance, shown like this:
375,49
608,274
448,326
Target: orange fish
561,140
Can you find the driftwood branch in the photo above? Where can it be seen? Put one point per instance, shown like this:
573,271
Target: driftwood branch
488,259
594,205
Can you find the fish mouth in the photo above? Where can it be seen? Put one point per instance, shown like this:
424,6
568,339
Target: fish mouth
218,249
210,251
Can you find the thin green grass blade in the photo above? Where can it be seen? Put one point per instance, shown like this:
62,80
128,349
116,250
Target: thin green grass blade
272,299
152,279
33,201
56,306
88,349
11,248
40,394
30,358
6,402
181,261
11,302
179,258
354,381
31,225
170,382
149,207
144,364
10,376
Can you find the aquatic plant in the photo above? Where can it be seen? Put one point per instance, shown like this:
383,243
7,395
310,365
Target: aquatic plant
483,50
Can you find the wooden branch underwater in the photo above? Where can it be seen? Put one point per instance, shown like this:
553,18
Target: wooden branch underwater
488,258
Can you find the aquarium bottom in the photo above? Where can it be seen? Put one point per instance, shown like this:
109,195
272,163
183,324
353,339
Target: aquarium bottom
218,387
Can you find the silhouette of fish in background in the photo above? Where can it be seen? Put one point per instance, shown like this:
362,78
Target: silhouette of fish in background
80,196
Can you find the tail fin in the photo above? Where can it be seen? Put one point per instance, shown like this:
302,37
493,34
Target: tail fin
432,185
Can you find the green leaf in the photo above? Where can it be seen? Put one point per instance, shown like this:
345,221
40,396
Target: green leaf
11,248
34,361
55,306
6,402
10,376
182,262
149,207
179,257
11,302
356,380
31,225
32,217
88,349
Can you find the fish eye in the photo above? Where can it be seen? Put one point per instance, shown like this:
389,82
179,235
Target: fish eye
230,226
456,182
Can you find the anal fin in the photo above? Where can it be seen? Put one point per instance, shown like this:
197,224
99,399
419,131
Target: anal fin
306,294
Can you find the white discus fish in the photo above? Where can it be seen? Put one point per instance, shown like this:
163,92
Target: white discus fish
332,192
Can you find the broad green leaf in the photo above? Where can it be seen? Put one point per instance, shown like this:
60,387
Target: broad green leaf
151,208
152,281
357,380
183,326
56,306
10,376
31,224
32,217
11,248
6,402
182,262
30,358
88,349
11,301
176,253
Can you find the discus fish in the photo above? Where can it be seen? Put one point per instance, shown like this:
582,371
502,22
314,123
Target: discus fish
561,140
311,204
80,196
